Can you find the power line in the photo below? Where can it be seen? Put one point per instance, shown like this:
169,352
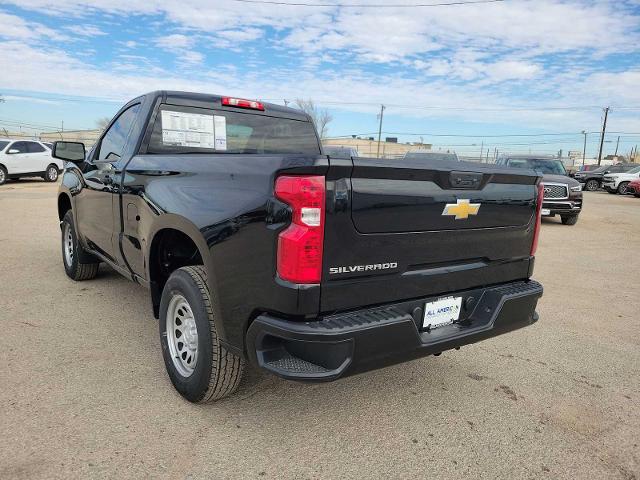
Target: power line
360,5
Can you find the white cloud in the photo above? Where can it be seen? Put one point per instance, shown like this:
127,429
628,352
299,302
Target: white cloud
86,30
14,27
174,41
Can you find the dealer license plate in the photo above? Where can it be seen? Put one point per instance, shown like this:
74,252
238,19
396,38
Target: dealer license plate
443,311
545,211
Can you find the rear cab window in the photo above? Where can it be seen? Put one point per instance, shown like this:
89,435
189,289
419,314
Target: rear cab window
183,129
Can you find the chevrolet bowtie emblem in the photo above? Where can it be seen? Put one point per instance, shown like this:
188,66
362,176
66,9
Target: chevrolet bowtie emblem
461,209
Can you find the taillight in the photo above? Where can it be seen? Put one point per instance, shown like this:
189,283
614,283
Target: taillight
536,231
300,244
242,103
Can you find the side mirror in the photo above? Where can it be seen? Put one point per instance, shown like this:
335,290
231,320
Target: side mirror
13,150
70,151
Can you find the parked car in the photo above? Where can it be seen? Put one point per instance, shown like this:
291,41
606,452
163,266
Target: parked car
339,152
27,158
634,187
592,179
429,155
618,182
562,194
256,247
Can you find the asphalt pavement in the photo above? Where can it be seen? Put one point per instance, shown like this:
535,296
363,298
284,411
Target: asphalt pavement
84,393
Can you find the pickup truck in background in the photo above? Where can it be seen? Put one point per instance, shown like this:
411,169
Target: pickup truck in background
257,247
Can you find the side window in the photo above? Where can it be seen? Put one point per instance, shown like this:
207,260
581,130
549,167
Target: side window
20,146
113,142
34,147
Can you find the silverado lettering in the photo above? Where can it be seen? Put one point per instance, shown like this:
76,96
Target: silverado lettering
238,223
363,268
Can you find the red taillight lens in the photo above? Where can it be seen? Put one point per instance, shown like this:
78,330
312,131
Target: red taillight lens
242,103
300,244
536,231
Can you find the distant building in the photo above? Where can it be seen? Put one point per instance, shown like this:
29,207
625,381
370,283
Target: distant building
368,147
88,137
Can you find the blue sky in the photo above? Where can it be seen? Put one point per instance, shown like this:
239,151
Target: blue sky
512,67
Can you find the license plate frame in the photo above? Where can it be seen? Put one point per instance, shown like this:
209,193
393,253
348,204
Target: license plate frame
441,312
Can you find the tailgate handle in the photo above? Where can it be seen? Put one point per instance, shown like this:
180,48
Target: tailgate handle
465,180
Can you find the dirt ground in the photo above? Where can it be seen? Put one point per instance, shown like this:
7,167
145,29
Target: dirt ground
84,394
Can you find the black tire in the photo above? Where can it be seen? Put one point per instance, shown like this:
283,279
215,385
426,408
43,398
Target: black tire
622,188
569,219
75,269
217,372
51,173
3,175
592,185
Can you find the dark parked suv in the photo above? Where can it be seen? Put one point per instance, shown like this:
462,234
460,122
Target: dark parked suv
562,194
592,180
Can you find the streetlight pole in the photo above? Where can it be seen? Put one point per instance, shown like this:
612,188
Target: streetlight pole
380,129
584,149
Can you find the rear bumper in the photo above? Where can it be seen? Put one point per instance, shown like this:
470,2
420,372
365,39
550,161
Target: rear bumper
344,344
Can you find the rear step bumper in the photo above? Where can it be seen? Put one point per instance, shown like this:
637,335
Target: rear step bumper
344,344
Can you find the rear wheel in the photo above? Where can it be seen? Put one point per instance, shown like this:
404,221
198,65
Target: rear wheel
622,188
51,173
569,219
592,185
72,253
3,175
201,369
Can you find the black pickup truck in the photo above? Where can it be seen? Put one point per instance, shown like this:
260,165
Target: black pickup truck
257,247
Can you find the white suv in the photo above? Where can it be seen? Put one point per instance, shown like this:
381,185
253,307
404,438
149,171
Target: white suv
27,158
618,182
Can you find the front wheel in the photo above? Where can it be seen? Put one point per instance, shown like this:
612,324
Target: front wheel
201,369
592,185
51,173
3,175
569,219
73,255
622,188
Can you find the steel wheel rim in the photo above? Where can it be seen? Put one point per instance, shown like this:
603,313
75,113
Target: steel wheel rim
53,174
623,189
182,335
1,176
68,245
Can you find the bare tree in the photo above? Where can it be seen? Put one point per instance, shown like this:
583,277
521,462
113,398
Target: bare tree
320,117
103,122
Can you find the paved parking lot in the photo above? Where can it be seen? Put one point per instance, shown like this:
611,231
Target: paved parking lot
84,394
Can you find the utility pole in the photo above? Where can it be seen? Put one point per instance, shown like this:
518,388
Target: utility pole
584,149
617,144
495,155
604,129
380,129
481,149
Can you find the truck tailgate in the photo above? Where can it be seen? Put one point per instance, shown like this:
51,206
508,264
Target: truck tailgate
402,229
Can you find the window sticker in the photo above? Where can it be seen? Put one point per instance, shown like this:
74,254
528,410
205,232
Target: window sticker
220,123
188,130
